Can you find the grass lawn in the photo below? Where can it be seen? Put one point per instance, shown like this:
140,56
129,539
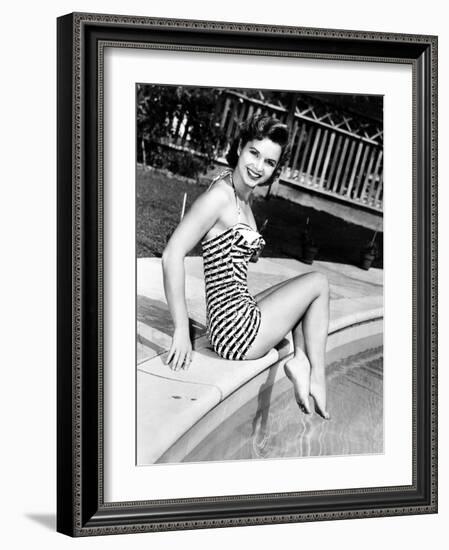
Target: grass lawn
159,202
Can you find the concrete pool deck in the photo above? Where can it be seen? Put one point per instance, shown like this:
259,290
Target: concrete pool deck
170,403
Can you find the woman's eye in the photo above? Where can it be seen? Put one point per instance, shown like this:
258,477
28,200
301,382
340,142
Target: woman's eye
254,152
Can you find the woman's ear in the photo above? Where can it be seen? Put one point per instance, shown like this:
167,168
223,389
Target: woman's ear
239,148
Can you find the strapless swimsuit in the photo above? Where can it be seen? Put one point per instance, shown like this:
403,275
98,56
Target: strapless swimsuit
233,316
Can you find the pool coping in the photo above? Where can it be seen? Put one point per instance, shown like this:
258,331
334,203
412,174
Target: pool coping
181,398
264,389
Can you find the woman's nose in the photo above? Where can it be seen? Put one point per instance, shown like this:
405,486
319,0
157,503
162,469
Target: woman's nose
259,164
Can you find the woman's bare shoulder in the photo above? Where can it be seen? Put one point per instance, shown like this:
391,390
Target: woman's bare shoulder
212,202
220,189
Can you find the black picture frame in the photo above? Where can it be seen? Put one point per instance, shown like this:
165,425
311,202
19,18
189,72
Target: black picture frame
81,510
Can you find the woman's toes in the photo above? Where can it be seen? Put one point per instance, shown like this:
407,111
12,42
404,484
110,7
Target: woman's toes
320,409
298,372
318,393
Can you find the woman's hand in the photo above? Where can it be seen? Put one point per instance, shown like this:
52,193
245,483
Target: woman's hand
203,214
180,354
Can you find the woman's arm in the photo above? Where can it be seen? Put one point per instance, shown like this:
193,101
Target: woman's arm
203,215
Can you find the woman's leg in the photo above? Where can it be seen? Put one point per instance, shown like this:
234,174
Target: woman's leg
263,293
305,298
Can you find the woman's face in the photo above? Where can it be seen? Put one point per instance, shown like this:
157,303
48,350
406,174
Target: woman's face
258,160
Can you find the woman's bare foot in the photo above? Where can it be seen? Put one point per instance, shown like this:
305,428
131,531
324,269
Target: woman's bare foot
297,370
318,392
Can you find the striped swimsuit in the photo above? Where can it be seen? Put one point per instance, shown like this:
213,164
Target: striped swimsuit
233,316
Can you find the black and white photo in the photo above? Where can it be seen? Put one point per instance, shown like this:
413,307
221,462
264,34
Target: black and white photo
246,274
259,238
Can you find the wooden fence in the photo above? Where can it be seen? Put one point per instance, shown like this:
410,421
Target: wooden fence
333,153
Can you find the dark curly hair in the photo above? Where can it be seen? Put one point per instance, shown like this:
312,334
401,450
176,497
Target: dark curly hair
259,127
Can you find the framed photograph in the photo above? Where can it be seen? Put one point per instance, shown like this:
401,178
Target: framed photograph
247,276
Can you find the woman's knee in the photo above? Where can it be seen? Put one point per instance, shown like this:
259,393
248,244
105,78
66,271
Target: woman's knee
321,282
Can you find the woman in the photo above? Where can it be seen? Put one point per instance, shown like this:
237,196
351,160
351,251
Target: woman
238,325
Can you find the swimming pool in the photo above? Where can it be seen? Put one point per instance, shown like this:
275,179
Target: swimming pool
262,420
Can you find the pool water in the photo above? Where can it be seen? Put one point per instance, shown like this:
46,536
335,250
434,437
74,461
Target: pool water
272,426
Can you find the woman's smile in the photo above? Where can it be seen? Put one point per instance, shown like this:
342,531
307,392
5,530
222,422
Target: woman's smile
253,174
257,161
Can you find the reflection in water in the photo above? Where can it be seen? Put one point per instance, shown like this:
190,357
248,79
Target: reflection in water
272,426
260,424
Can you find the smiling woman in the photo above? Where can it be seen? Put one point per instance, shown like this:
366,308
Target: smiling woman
262,147
240,326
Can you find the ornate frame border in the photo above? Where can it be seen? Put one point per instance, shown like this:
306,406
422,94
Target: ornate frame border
81,41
